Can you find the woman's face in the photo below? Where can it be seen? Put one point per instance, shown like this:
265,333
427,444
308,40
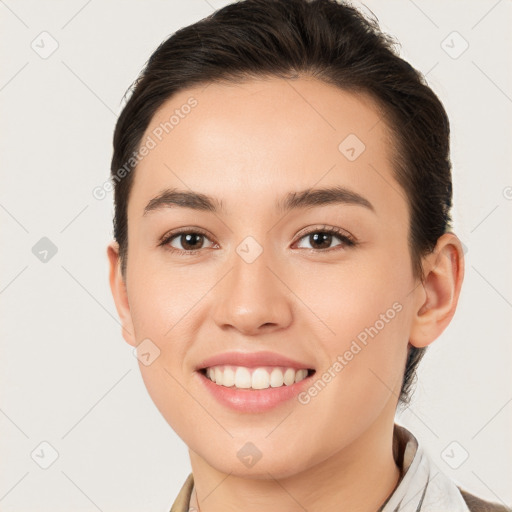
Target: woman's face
265,276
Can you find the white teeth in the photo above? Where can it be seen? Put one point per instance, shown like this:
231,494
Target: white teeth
289,376
276,378
242,377
301,375
218,375
260,379
228,379
255,378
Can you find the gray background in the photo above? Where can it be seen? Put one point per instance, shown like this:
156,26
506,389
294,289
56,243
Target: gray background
67,376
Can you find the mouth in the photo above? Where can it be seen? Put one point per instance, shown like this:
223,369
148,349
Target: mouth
255,378
253,382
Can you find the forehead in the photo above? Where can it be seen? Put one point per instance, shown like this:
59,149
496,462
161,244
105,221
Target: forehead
304,108
266,137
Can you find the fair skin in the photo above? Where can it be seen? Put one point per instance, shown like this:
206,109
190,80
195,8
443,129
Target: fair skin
249,145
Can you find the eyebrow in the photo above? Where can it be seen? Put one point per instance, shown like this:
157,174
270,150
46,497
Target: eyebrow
308,198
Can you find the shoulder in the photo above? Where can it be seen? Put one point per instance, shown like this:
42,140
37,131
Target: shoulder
476,504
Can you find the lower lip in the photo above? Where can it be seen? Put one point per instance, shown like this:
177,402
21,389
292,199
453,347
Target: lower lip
253,400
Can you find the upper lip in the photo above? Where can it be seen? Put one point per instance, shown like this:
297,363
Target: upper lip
252,360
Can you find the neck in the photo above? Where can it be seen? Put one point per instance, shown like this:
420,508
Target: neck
358,478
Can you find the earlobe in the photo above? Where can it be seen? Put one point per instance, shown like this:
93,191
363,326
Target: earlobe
119,293
439,293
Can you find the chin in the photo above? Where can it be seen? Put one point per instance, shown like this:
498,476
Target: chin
250,462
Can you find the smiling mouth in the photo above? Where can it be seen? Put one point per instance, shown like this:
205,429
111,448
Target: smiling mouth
262,377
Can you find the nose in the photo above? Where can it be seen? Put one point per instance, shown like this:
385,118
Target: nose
252,299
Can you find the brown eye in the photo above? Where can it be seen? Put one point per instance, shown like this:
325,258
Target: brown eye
191,241
324,239
187,241
320,240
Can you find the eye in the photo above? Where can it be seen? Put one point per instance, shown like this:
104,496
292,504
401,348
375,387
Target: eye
323,239
319,239
186,241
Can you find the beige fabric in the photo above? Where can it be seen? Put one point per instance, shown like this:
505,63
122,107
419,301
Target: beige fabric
181,503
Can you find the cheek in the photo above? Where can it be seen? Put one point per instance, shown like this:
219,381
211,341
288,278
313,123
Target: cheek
364,330
162,307
350,298
161,299
363,369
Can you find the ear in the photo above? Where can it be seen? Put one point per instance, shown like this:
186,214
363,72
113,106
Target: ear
119,293
438,294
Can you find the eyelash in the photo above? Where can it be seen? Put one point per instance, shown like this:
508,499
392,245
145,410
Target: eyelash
347,240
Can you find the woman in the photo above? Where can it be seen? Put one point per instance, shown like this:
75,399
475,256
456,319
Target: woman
283,256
